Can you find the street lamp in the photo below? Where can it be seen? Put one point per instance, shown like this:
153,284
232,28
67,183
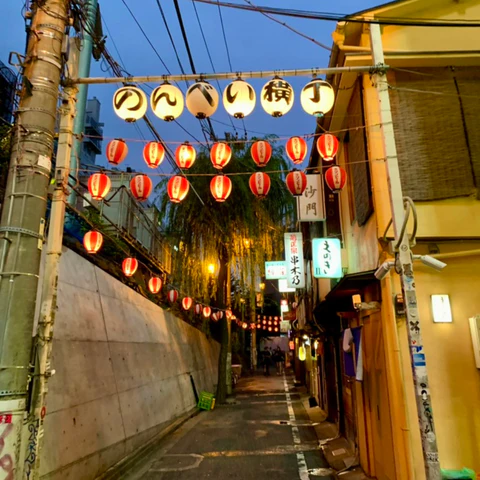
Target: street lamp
211,268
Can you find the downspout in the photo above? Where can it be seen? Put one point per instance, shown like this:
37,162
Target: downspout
83,71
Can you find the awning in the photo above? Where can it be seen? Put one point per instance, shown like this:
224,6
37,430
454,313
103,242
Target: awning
339,299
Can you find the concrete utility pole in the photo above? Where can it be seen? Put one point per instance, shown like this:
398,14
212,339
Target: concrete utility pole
23,220
405,258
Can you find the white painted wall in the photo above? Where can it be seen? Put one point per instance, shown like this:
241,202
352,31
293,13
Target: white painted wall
122,367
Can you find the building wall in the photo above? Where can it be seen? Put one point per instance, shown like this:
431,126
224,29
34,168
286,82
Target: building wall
122,372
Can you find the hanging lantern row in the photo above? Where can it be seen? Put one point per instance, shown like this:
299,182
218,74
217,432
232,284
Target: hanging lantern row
277,97
296,149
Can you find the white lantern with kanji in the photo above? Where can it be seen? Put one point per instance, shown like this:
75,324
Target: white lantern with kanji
277,97
167,102
317,97
130,103
202,100
239,99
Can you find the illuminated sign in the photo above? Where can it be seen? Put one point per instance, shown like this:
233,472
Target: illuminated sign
283,287
327,258
310,205
294,260
275,270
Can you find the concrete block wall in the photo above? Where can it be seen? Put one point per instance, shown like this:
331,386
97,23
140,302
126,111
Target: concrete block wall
123,368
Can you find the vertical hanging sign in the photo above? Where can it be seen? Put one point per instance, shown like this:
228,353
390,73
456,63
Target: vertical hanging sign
311,205
294,260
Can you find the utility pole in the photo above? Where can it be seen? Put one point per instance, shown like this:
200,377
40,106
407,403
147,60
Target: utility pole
23,220
405,261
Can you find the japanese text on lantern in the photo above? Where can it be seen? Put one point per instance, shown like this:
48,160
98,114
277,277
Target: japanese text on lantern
294,260
327,258
310,205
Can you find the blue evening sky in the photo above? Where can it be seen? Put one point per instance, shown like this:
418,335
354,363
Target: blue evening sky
255,43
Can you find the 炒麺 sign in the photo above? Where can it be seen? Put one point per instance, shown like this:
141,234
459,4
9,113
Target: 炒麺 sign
327,258
294,260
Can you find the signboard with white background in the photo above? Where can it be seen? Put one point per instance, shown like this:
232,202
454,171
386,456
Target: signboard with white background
294,260
327,258
275,270
311,205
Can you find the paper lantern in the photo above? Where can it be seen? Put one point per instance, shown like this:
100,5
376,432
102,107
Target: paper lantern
275,329
177,188
244,325
259,184
187,303
116,151
317,97
302,354
130,103
270,329
228,314
185,155
335,177
239,99
253,326
277,97
221,187
296,149
264,321
99,185
270,322
153,154
327,146
92,241
129,266
207,311
214,317
220,314
220,155
296,182
167,102
155,284
198,309
141,187
172,296
202,100
261,152
259,325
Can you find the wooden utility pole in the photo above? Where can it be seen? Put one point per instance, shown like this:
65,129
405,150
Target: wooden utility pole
23,222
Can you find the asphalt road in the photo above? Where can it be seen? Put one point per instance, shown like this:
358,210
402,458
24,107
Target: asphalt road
266,434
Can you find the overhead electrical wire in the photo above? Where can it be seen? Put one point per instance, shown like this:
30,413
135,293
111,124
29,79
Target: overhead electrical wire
225,37
355,18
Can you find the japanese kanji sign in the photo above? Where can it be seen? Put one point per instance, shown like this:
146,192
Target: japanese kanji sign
294,260
310,205
327,258
275,270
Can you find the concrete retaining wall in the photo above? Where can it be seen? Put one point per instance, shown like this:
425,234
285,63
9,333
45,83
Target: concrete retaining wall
123,368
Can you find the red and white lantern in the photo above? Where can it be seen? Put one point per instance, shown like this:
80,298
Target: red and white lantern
155,285
92,241
220,314
153,154
99,185
296,149
141,187
261,153
187,303
198,309
220,155
336,177
207,311
185,155
116,151
327,146
178,188
129,266
228,314
214,317
172,296
244,325
259,184
221,187
296,182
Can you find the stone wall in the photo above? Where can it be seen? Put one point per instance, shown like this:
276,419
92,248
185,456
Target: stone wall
122,372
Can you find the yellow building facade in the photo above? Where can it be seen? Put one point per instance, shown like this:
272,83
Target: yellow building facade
431,67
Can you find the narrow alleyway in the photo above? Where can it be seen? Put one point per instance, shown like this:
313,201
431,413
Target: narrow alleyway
266,433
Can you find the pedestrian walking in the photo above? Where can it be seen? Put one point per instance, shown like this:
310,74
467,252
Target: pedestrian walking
279,358
267,359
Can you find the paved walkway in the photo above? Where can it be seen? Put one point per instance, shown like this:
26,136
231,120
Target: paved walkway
266,434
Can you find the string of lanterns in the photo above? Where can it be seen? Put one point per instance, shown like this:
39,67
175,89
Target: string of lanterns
239,99
220,155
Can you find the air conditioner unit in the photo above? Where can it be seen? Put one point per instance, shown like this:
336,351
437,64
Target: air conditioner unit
475,331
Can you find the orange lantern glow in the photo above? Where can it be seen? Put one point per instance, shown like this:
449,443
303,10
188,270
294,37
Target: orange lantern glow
244,325
207,311
172,295
296,149
228,314
177,188
99,185
259,184
153,154
141,187
129,266
155,285
198,309
185,155
327,146
336,178
220,155
221,187
296,182
92,241
261,153
187,303
116,151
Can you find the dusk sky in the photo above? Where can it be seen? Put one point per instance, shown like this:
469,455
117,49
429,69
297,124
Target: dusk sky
255,43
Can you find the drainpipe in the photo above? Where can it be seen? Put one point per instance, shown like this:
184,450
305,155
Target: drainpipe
83,71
